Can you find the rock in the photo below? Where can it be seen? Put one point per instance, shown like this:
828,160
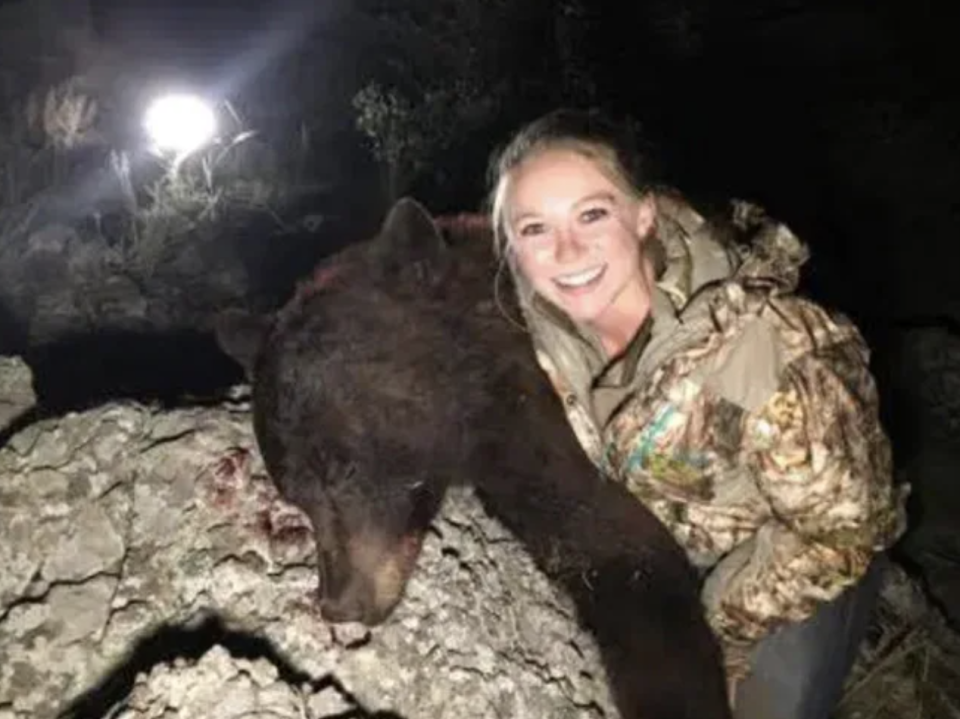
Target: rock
149,563
221,686
16,389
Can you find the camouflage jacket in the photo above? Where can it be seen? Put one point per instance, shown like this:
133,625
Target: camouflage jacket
747,421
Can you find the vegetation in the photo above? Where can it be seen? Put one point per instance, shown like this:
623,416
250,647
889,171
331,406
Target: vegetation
450,71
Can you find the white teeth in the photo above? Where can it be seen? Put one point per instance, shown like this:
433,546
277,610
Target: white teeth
579,279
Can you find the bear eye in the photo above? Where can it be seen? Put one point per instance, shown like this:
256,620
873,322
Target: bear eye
350,470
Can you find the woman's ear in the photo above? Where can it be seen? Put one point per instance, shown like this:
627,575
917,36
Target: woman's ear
646,217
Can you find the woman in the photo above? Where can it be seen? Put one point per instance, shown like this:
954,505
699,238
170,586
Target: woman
742,414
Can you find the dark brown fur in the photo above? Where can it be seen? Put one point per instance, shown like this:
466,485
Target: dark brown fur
390,375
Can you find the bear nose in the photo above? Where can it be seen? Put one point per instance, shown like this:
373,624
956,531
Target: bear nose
341,610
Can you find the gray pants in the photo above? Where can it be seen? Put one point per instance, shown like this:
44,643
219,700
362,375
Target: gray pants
798,672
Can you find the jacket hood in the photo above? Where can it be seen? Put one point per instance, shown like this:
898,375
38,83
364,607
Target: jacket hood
691,252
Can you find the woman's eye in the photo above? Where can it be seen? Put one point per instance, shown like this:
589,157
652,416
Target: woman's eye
533,229
593,214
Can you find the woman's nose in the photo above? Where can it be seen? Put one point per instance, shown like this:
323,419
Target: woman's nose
568,247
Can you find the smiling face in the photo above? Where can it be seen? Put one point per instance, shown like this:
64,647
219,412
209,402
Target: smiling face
577,238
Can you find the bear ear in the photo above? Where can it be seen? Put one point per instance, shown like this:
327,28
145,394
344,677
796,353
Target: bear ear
240,334
410,244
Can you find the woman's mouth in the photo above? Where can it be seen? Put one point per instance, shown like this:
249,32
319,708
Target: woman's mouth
582,281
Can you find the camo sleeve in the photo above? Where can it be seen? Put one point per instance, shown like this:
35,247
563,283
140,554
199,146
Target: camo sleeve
823,463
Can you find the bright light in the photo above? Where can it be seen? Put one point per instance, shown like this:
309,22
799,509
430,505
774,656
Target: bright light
180,123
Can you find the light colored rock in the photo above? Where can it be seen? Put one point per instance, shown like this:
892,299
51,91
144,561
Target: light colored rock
16,389
126,527
220,686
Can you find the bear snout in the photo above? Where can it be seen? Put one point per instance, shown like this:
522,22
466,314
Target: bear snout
369,581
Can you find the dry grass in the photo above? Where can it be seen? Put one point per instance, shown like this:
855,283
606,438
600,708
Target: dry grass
910,666
191,193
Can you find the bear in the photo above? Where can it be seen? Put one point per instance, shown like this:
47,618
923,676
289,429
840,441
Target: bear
392,374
